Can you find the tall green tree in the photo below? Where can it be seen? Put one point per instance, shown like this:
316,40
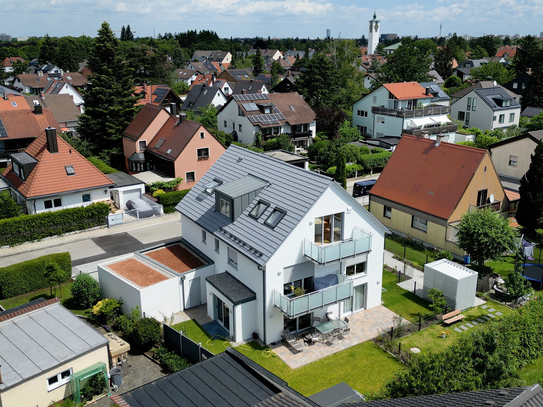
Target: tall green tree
407,64
533,94
129,33
341,169
319,82
494,70
485,235
48,49
530,207
109,102
8,206
526,55
443,61
258,63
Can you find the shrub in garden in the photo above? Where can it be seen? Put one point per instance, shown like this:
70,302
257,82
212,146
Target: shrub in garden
145,333
169,200
437,301
170,361
443,254
107,310
85,291
123,324
94,387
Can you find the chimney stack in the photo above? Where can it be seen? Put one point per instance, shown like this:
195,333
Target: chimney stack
439,139
244,91
182,117
51,135
173,109
427,90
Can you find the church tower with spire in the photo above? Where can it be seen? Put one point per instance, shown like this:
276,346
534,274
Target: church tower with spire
373,38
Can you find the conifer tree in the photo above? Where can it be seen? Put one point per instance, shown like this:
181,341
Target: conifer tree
258,63
530,207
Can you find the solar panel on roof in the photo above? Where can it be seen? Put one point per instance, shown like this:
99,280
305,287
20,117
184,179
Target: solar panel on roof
254,96
3,132
160,93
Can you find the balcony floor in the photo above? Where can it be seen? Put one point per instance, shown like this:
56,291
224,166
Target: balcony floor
364,326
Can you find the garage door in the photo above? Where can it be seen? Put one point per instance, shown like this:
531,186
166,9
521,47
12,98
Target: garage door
131,194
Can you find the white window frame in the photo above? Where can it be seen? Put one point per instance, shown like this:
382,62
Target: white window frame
204,237
224,206
232,257
419,224
501,119
362,113
511,117
358,269
217,245
513,160
60,381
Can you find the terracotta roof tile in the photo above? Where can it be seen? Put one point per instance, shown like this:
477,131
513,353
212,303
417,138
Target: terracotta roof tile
176,136
49,176
428,178
406,90
9,61
24,123
13,102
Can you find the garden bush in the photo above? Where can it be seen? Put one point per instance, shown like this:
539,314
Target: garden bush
169,200
377,160
95,386
22,278
144,333
102,166
107,310
377,150
36,227
123,325
164,185
85,291
170,361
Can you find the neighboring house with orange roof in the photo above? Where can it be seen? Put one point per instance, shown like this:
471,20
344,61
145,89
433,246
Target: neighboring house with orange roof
20,125
507,51
394,109
51,175
158,95
208,80
8,63
428,185
156,140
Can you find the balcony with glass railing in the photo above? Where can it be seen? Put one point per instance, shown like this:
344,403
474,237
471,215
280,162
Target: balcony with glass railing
295,306
410,113
323,254
448,128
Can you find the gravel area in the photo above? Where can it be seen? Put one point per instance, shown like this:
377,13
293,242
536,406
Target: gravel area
137,272
176,257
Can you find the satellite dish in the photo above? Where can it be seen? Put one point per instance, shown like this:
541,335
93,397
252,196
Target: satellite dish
491,199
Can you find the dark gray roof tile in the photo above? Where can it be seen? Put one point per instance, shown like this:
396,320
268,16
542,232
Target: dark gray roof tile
231,288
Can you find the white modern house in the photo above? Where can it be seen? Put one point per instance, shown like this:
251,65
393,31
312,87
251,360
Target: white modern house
487,109
394,109
244,115
287,244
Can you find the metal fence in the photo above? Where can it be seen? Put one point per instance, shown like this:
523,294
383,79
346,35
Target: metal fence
185,347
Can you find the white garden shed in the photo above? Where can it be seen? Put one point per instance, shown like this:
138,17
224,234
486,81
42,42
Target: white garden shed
456,282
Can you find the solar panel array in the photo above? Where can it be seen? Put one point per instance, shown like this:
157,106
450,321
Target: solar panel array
252,96
3,132
266,118
160,93
250,107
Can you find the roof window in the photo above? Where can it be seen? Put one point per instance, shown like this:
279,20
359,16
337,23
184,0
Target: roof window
210,188
160,142
69,169
275,217
259,209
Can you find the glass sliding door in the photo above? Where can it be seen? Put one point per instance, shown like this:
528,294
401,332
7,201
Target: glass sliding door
329,229
223,314
318,230
338,227
359,297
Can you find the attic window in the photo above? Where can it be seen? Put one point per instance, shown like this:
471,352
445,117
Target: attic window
160,142
275,217
210,188
259,209
69,170
292,108
14,104
169,151
69,78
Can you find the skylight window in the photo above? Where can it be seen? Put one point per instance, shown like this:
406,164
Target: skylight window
210,188
160,142
259,209
69,170
275,217
14,104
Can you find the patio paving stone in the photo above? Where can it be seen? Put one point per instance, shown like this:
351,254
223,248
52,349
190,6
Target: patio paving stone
364,325
499,313
492,315
491,310
481,320
469,325
484,306
475,322
486,317
458,329
463,327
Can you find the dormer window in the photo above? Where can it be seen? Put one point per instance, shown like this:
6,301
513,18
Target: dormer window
259,209
69,170
225,207
275,217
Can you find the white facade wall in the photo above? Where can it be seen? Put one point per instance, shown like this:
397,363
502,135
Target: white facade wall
118,193
187,277
72,200
114,286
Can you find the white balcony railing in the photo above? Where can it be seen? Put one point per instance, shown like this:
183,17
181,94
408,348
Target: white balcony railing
327,253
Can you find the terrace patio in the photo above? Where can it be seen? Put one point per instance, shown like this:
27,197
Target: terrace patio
364,326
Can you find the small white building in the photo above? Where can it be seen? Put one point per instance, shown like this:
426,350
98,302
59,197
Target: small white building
456,282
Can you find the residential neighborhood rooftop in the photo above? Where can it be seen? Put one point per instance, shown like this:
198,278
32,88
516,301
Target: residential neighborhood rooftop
406,90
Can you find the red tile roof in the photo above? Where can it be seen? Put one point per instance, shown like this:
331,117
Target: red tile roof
13,102
176,136
142,120
49,176
9,61
24,123
430,179
207,79
509,50
406,90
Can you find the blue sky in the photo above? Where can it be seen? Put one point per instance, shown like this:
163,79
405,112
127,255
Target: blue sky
275,18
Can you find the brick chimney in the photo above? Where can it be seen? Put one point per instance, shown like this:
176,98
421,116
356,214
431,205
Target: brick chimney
51,135
439,139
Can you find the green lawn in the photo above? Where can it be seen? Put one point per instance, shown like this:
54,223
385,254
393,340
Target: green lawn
65,298
401,301
410,254
194,331
429,339
533,373
364,367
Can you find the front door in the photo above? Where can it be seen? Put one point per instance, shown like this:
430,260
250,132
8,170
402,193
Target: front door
195,297
223,314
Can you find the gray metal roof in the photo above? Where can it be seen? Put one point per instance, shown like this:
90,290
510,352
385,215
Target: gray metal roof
24,158
231,288
242,186
42,339
489,94
438,93
293,189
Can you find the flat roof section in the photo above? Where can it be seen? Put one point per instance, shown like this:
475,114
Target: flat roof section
137,272
176,257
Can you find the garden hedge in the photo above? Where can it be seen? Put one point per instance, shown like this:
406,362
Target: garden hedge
22,278
28,228
376,160
169,200
102,166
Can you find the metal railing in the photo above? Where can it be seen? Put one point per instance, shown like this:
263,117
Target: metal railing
323,254
422,112
449,128
495,206
296,306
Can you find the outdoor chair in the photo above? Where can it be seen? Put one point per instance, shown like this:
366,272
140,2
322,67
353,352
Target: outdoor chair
346,331
346,320
335,335
316,321
330,315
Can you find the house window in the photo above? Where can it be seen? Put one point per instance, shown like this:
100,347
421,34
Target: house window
225,124
467,119
502,118
419,223
239,127
461,116
189,176
380,120
225,207
305,283
16,168
387,212
233,126
52,203
259,209
494,119
204,237
86,198
329,229
58,380
481,197
217,245
232,257
240,111
142,144
203,153
69,170
275,217
363,130
202,135
473,104
511,117
513,160
515,85
469,105
355,269
362,113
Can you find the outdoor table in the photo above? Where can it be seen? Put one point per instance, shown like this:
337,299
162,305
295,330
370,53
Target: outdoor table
329,326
